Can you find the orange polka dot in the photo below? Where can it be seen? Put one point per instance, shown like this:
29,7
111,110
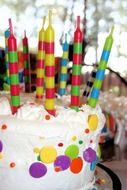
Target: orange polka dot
57,169
47,117
87,130
12,165
4,126
76,165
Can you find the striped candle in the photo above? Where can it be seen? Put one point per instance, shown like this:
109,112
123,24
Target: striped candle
26,60
40,63
76,69
49,68
7,34
101,70
63,69
13,71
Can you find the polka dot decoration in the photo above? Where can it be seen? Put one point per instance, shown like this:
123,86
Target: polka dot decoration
93,164
87,130
93,122
12,164
60,144
74,138
48,154
37,170
80,142
76,165
72,151
47,117
4,127
1,146
62,162
98,152
36,150
89,155
1,156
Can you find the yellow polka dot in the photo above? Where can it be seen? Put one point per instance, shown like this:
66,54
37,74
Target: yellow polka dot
48,154
74,138
1,156
93,122
36,150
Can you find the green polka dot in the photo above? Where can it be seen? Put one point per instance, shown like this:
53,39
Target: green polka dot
80,142
72,151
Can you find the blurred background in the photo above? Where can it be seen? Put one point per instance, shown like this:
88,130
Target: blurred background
97,18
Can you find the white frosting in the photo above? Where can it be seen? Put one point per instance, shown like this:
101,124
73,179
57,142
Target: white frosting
29,129
5,108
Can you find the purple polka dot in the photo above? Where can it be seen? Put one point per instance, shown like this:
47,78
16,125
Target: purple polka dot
63,162
1,146
89,155
37,170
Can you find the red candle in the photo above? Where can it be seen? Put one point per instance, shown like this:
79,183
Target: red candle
13,70
26,59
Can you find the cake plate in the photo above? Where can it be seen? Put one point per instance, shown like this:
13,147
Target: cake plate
106,179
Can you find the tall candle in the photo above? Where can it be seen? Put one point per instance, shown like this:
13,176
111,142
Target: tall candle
49,68
63,69
40,63
76,69
13,70
7,34
26,60
101,70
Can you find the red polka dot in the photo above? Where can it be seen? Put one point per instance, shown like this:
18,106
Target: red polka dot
91,141
60,144
47,117
12,164
87,130
4,126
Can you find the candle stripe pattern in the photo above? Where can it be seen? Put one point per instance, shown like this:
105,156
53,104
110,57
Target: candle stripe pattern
101,71
49,68
7,34
76,69
89,84
13,71
26,59
63,70
40,64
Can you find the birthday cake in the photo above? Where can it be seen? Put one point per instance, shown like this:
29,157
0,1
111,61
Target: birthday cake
41,152
50,144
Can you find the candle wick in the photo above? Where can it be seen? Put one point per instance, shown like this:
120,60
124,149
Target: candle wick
78,21
10,25
44,18
50,15
25,33
112,30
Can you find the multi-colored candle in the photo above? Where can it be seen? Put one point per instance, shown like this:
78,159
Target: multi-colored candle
89,84
49,68
76,69
40,63
26,60
13,70
63,69
101,70
7,34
